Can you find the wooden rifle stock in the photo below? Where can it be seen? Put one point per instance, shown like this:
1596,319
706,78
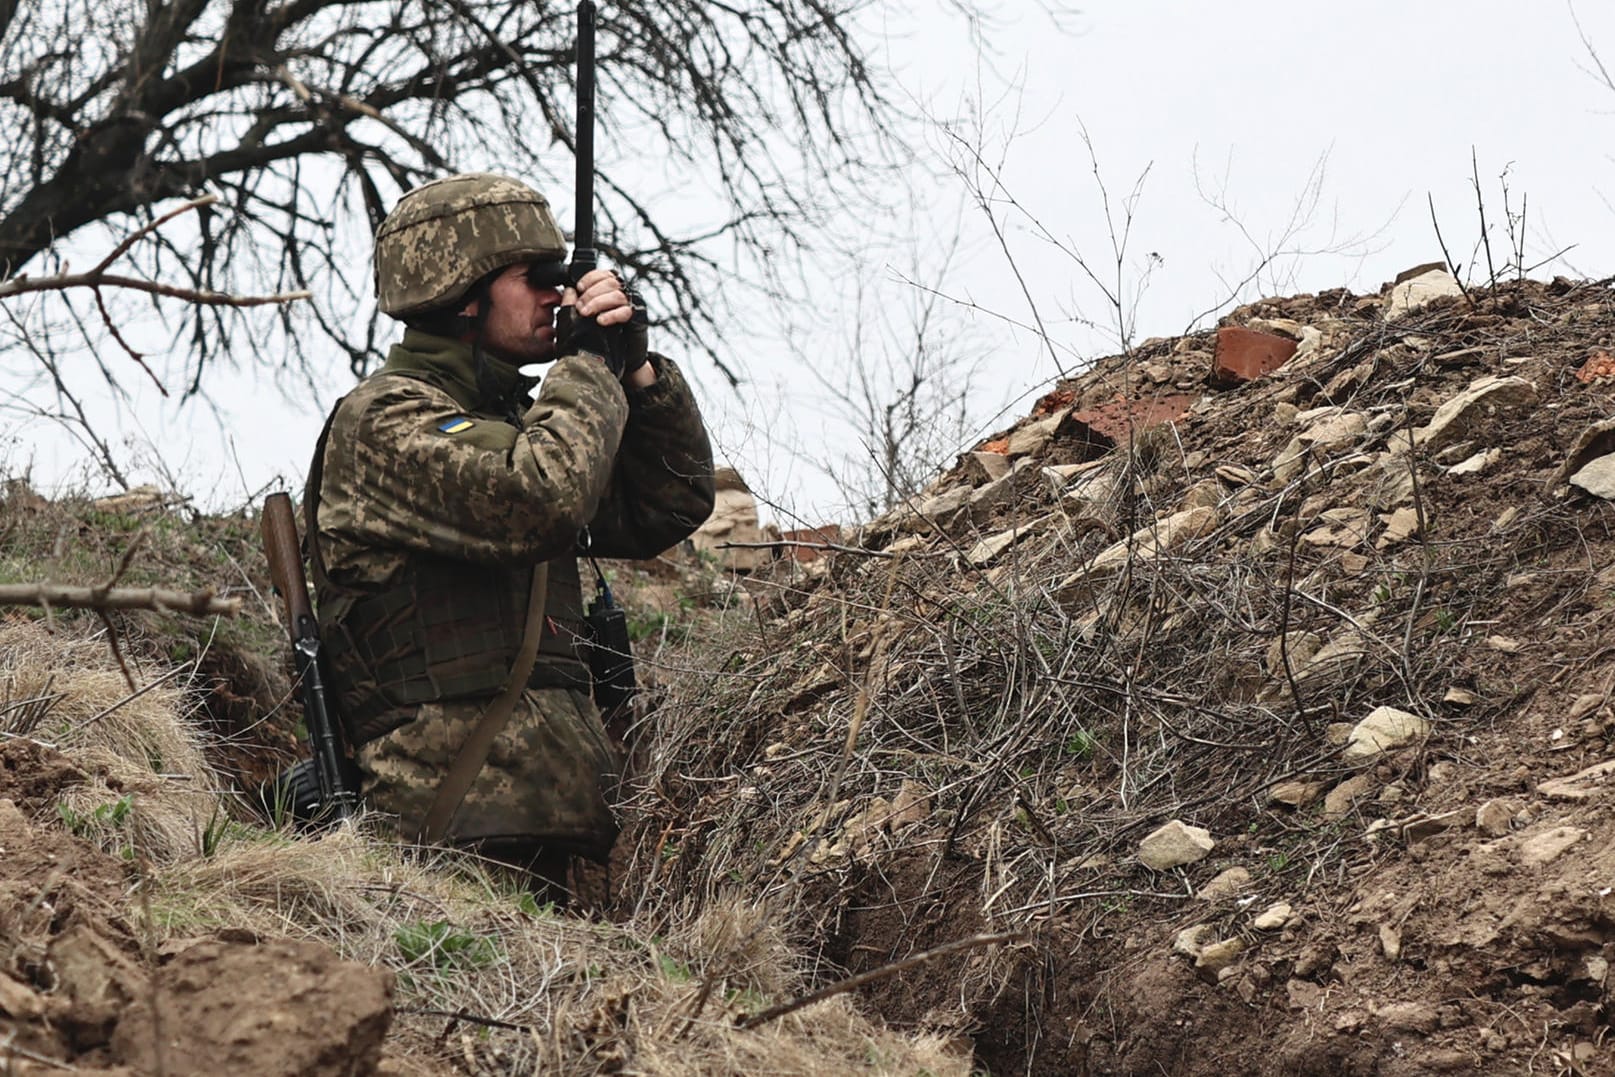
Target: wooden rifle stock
337,797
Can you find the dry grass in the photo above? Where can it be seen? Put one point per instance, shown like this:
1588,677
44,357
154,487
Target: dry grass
535,991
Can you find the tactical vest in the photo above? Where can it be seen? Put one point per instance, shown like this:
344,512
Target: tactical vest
438,630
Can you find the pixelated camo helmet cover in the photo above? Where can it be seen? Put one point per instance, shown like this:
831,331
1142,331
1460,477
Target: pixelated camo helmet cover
444,236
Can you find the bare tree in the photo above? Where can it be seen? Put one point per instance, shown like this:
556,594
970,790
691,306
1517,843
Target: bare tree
908,390
308,117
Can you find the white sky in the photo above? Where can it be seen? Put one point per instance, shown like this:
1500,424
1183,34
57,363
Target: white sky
1381,102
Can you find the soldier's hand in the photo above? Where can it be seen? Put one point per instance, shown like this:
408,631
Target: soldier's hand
602,316
600,295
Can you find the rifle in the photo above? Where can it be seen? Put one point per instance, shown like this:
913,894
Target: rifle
331,795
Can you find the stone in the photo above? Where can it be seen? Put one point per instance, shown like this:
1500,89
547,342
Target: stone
733,519
1244,355
1597,478
1329,431
1454,418
1218,956
1283,327
1148,542
1400,526
1384,729
1595,441
1192,940
1303,995
1298,794
986,466
945,504
1410,1016
1544,848
1173,845
1228,884
1340,799
1479,462
1495,818
990,547
1274,917
1121,419
1390,943
1031,438
1583,785
1460,697
910,806
1235,475
1418,286
1301,647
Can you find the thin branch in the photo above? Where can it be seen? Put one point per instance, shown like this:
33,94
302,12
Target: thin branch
203,603
852,983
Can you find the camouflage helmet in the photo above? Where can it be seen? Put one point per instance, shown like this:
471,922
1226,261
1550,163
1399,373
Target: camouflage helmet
446,235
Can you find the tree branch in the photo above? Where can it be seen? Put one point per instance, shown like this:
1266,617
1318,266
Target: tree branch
203,603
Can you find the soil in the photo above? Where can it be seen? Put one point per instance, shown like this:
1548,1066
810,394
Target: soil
1459,914
80,989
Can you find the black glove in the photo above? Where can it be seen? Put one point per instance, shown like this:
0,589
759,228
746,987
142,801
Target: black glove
623,347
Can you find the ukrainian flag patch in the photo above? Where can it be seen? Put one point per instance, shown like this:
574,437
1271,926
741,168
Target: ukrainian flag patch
456,425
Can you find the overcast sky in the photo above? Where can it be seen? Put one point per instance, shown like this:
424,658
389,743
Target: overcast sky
1355,115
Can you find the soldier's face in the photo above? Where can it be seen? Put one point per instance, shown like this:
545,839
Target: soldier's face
520,327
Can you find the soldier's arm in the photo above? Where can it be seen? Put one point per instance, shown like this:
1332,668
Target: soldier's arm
661,487
411,471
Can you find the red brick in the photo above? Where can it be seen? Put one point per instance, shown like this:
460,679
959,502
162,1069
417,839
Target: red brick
1245,355
813,536
1116,418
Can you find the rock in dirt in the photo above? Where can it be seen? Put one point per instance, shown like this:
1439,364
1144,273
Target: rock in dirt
1174,845
1456,417
1274,917
1496,817
1298,794
1384,729
1229,884
1583,785
1245,354
1340,799
1418,286
1548,846
1410,1017
1597,478
1219,955
1390,943
1192,940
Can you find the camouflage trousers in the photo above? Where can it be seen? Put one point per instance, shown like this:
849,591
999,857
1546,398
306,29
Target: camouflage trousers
549,779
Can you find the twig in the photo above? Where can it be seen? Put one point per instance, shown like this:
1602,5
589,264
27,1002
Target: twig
1451,266
130,698
852,983
792,544
33,1056
1480,206
92,279
117,651
202,603
463,1015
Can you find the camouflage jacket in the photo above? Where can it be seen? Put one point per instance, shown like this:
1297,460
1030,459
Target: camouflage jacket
417,478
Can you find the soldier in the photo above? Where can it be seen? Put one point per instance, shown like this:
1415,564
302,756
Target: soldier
443,481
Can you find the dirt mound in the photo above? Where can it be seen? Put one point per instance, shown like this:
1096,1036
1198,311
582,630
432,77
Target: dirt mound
1334,638
80,988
